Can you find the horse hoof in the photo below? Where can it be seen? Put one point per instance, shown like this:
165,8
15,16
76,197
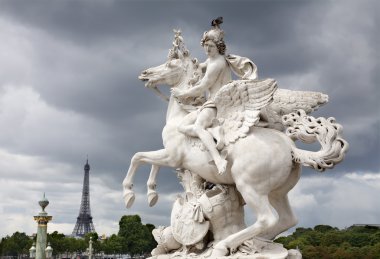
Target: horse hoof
152,198
129,198
219,250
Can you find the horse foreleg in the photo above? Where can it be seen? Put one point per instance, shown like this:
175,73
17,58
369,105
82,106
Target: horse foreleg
151,184
156,158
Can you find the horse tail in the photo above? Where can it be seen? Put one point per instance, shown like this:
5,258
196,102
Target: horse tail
309,130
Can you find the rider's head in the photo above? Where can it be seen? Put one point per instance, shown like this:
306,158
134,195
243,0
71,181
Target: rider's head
215,35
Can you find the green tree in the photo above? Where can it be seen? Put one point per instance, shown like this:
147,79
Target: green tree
332,238
342,253
324,228
355,252
57,242
152,242
16,245
375,238
363,229
1,246
328,242
73,245
374,251
301,231
285,240
359,239
137,237
310,252
95,241
113,245
314,237
300,243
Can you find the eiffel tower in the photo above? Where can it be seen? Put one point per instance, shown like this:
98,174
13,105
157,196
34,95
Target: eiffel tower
84,223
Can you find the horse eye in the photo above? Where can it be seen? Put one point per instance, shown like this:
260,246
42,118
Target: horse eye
173,63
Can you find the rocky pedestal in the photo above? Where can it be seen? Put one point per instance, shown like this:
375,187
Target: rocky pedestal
204,215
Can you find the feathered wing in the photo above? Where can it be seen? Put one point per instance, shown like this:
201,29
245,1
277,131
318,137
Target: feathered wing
287,101
239,103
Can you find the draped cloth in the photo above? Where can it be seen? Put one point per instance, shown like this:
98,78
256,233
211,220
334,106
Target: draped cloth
242,67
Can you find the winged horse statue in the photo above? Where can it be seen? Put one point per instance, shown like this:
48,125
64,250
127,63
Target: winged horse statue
263,161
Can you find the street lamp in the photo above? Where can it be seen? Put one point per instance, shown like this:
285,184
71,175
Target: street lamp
90,250
42,219
32,251
49,251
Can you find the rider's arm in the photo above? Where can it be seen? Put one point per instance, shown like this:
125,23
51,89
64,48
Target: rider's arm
203,67
211,75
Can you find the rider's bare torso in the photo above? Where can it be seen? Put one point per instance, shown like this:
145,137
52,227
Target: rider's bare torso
222,74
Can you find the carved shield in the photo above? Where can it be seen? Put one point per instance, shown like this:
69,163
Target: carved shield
185,229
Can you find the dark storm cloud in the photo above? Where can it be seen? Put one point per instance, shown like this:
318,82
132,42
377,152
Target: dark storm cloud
87,25
78,62
99,47
88,84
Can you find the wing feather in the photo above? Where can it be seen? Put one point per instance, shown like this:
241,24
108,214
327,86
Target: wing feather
287,101
239,103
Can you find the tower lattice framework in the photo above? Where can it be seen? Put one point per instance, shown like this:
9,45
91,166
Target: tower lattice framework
84,223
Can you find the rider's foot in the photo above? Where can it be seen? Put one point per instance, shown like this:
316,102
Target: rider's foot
221,165
220,140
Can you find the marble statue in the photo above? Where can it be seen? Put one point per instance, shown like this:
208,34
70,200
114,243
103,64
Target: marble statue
232,142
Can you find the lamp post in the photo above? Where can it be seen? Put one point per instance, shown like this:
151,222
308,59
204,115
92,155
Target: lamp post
90,249
49,251
32,251
42,219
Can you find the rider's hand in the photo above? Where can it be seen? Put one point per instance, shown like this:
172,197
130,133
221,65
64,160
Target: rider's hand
177,92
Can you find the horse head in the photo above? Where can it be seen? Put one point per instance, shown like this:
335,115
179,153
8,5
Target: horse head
178,69
168,73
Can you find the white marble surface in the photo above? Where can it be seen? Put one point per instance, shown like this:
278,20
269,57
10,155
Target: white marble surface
230,133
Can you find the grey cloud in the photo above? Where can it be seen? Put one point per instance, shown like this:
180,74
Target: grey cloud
82,59
335,198
281,46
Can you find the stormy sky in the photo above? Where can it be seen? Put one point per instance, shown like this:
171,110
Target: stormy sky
69,88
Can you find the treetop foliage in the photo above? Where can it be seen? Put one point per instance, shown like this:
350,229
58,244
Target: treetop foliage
327,242
133,238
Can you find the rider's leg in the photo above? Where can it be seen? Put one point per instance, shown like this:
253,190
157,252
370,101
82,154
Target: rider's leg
187,125
204,121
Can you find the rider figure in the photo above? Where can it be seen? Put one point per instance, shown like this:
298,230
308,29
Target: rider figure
217,74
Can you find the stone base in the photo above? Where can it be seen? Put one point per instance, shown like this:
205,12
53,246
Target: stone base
269,251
